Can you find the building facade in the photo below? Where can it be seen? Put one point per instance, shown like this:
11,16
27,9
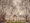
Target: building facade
15,7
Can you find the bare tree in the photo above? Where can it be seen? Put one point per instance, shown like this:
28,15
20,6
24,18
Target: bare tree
2,14
26,17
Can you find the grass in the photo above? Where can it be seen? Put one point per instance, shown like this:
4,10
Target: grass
13,22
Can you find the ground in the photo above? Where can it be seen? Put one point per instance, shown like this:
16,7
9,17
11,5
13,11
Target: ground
14,22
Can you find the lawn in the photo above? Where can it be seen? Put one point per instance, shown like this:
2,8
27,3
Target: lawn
14,22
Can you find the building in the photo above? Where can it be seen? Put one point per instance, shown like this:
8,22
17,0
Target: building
14,7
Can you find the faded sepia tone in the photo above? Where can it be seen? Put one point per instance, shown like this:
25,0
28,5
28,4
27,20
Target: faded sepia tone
15,10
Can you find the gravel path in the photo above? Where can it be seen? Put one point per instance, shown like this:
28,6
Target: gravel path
27,22
2,22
